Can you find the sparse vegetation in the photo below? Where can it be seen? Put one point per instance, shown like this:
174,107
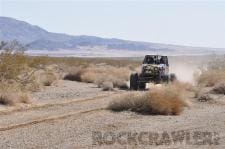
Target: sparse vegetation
165,100
7,99
23,97
205,98
99,74
107,86
213,75
29,74
219,88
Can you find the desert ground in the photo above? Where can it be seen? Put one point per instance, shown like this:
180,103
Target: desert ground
75,114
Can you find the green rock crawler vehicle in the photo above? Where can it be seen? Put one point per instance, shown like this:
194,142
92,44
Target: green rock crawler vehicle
155,69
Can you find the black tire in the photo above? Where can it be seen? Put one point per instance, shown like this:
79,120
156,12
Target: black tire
158,80
142,86
173,77
165,78
134,81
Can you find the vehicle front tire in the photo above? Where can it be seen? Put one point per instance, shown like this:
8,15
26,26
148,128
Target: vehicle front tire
134,81
165,78
142,86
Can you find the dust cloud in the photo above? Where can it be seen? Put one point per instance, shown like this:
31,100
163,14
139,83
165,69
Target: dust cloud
184,67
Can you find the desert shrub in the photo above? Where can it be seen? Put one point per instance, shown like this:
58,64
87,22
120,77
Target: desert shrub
198,91
165,100
12,65
12,98
219,88
213,73
89,77
99,74
107,86
23,97
205,98
49,78
11,94
211,77
45,77
15,74
7,99
74,74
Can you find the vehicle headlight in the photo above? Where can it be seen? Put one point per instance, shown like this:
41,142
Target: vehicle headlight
156,68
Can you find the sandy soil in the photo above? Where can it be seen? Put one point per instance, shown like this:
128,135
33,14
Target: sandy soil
72,115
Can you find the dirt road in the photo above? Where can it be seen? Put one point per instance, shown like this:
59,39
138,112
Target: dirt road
82,121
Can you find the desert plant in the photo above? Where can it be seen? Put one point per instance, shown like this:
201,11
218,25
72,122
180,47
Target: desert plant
107,86
7,99
219,88
49,78
11,94
165,100
74,74
205,98
213,73
23,97
99,74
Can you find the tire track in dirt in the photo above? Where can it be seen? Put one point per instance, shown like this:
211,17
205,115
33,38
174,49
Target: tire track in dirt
27,120
49,119
48,105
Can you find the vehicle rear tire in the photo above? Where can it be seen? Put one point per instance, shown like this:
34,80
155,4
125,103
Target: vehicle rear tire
142,86
134,81
173,77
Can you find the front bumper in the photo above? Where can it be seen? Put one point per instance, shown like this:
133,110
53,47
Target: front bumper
148,79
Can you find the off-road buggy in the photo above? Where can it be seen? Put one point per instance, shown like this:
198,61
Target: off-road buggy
155,69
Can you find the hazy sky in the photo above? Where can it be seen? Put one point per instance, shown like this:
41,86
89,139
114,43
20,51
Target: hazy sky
194,23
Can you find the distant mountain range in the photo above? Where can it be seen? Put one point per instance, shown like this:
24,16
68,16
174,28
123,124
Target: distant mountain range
36,38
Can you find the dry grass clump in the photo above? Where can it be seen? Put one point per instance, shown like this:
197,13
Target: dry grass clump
7,99
210,78
15,75
213,76
11,95
213,73
205,98
74,75
44,77
118,76
165,100
219,88
23,97
198,91
11,99
49,78
107,86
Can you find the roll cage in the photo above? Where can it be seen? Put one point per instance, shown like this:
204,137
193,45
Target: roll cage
156,59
